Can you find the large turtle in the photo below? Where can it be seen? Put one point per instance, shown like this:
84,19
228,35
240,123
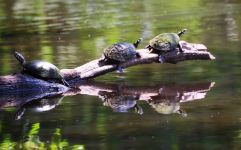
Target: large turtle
121,52
40,69
165,42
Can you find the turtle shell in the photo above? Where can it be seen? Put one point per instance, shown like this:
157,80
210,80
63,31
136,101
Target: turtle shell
42,69
120,52
165,42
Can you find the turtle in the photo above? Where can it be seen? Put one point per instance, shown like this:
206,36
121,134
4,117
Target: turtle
121,52
40,69
165,42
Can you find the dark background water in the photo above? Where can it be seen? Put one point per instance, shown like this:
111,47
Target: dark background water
71,33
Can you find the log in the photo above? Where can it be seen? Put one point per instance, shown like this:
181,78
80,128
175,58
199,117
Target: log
11,86
95,68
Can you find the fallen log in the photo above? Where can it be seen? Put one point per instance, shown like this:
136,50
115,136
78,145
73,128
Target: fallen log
11,86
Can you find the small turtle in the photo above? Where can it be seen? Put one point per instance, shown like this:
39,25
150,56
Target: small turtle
121,52
165,42
40,69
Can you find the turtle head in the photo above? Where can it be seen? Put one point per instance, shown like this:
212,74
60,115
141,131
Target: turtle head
137,42
181,32
19,57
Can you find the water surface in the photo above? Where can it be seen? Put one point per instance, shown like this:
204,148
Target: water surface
71,33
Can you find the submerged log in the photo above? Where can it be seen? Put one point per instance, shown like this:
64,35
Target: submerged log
18,84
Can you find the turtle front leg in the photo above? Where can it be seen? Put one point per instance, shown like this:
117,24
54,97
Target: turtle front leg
182,112
103,60
149,48
161,59
120,69
138,109
20,112
179,48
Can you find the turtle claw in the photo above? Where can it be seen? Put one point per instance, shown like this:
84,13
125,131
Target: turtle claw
161,59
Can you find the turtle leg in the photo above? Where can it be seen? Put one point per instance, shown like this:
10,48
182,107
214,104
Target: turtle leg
120,68
138,109
179,48
103,59
19,113
149,48
182,112
65,82
161,59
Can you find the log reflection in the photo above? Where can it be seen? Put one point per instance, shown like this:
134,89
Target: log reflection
41,105
164,99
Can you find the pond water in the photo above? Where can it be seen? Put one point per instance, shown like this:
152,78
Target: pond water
190,105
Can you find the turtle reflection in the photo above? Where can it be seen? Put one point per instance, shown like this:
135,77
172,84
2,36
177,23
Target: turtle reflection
119,102
40,105
165,106
164,99
167,103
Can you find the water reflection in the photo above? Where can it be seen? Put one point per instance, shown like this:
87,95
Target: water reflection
120,102
71,33
42,105
164,99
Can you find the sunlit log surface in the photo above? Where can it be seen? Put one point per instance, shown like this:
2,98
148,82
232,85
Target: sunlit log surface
165,99
18,84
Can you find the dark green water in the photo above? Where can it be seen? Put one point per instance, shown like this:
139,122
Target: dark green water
71,33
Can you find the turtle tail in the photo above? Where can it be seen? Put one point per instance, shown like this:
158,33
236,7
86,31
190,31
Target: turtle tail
137,42
181,32
19,57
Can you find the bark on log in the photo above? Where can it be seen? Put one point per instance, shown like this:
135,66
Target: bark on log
17,84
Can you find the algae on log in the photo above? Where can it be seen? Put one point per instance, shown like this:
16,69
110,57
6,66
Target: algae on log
18,84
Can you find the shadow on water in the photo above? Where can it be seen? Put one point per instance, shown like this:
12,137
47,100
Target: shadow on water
164,99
